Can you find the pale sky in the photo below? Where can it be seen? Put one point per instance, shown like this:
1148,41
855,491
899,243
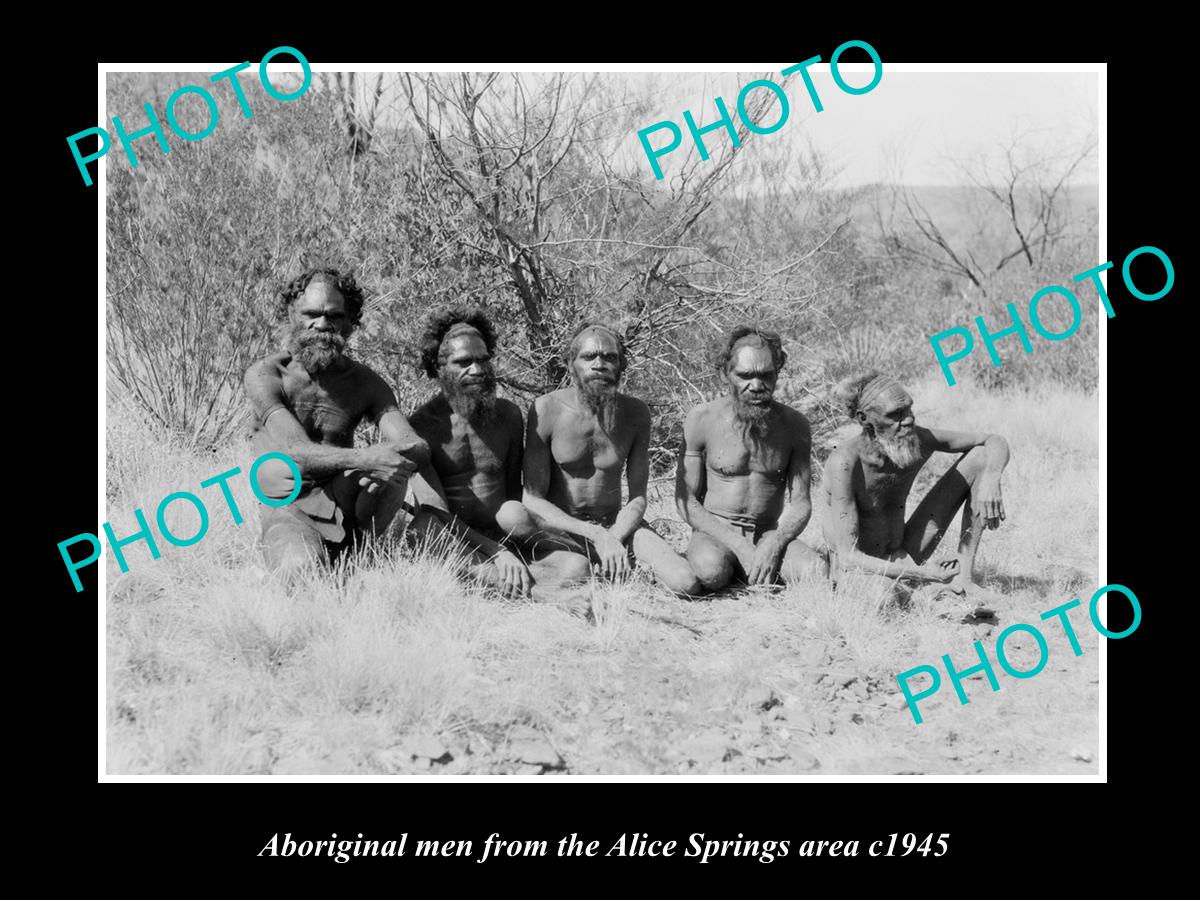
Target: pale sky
918,117
924,115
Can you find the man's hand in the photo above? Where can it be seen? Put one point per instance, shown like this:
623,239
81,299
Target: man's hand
614,559
515,580
382,463
989,501
765,565
943,572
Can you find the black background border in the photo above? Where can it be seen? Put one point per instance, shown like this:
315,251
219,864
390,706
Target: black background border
214,834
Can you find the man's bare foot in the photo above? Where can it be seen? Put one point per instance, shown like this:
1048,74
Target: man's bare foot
576,601
975,603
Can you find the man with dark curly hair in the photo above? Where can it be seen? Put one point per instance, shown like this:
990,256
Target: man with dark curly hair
307,400
744,469
868,479
578,442
472,485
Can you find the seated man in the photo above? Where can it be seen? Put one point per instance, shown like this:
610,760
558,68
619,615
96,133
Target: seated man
741,454
577,443
867,482
307,401
472,485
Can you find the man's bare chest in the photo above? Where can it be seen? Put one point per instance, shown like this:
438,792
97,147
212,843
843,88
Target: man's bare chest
465,451
885,489
579,448
729,455
327,413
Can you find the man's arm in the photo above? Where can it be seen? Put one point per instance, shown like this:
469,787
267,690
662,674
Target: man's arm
799,478
400,452
843,525
962,441
637,474
987,492
264,390
396,431
512,465
690,487
768,555
394,428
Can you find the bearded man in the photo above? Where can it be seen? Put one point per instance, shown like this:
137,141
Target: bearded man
578,442
472,485
867,483
307,401
744,469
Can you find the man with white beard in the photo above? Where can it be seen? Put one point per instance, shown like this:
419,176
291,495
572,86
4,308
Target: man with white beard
307,400
868,479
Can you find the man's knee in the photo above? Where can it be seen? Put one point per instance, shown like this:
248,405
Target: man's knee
426,529
379,508
878,590
670,569
276,479
290,549
712,566
564,566
677,576
514,518
972,463
801,562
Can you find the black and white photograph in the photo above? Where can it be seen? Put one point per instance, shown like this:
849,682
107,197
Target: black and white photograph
564,423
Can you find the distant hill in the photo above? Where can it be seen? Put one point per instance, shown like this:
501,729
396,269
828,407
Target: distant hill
951,205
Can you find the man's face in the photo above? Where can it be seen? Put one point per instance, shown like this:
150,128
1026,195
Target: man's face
597,364
891,414
752,376
891,418
467,369
319,327
322,308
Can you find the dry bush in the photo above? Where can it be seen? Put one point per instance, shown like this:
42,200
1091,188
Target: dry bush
517,193
510,192
198,241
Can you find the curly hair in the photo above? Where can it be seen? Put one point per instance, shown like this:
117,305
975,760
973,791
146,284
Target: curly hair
440,322
764,338
345,284
572,349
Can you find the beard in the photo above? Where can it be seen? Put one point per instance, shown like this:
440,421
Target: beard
904,452
754,420
473,401
599,396
316,351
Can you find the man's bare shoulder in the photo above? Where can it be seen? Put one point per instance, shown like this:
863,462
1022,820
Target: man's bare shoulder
266,384
635,409
507,408
927,440
367,377
510,414
429,415
272,366
704,415
796,422
549,405
845,456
